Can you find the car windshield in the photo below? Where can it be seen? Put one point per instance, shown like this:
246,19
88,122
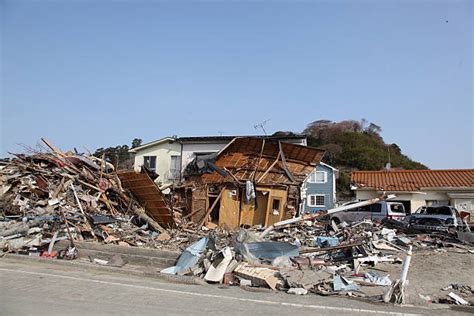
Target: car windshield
397,208
443,210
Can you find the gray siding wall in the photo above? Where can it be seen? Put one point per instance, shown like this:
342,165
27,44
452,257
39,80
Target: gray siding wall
320,188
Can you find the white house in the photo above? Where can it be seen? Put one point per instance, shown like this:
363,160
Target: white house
162,156
169,156
415,188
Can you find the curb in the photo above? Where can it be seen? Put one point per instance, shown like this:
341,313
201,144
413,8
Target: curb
116,249
180,279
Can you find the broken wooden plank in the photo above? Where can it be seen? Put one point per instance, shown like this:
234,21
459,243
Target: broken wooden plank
269,168
285,165
51,146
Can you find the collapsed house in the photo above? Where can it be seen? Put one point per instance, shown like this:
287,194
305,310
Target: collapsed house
252,181
169,156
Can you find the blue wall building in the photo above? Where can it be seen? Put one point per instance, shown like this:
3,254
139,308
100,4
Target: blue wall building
318,191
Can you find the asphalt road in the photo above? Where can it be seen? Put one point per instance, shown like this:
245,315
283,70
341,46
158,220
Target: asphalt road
32,288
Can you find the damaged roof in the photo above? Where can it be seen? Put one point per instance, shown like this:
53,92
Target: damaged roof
212,139
412,180
244,156
205,139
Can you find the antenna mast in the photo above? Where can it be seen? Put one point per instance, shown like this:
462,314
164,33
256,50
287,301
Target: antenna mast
388,166
262,126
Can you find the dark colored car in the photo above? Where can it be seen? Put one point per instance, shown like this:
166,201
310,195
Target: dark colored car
435,218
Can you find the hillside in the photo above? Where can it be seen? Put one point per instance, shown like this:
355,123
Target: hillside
353,145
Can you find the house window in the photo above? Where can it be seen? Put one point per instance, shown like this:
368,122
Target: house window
276,204
175,167
150,162
318,177
316,200
276,207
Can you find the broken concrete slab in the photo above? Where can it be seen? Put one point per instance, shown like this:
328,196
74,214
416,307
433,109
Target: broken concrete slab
259,276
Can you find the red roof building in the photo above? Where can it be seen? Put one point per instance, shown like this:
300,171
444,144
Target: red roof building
416,188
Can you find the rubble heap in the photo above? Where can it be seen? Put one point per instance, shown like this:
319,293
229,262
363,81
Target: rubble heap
47,197
317,256
53,196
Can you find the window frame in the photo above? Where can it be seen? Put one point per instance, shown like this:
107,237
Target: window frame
279,200
313,177
175,173
316,200
149,159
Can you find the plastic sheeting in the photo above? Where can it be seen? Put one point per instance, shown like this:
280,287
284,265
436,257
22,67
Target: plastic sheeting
189,258
267,250
342,284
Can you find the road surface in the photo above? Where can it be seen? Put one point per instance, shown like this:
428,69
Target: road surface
34,288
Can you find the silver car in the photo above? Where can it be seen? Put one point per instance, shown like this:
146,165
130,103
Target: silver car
375,212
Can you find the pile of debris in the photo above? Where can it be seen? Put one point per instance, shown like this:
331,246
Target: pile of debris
47,197
314,256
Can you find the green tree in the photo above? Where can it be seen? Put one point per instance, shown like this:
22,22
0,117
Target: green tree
118,155
355,145
136,142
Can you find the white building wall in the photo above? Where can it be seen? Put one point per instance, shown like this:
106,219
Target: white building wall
163,153
189,150
417,199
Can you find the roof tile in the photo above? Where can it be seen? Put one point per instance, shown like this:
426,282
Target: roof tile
409,180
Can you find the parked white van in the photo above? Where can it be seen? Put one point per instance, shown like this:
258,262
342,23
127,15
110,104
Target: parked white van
375,212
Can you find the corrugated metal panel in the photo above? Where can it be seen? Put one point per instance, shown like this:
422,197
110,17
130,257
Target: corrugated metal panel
149,196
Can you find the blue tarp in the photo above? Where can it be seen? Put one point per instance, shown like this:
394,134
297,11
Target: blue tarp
323,241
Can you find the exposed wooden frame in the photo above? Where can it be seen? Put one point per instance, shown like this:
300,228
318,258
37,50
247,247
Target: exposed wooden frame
204,219
285,165
233,176
254,173
269,168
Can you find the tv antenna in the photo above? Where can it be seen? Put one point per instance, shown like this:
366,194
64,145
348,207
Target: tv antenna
262,126
388,166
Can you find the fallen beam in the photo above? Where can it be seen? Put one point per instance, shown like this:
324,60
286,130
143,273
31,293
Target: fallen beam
328,212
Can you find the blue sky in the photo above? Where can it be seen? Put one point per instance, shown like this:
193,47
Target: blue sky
99,73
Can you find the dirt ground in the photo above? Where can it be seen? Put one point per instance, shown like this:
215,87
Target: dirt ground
429,272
